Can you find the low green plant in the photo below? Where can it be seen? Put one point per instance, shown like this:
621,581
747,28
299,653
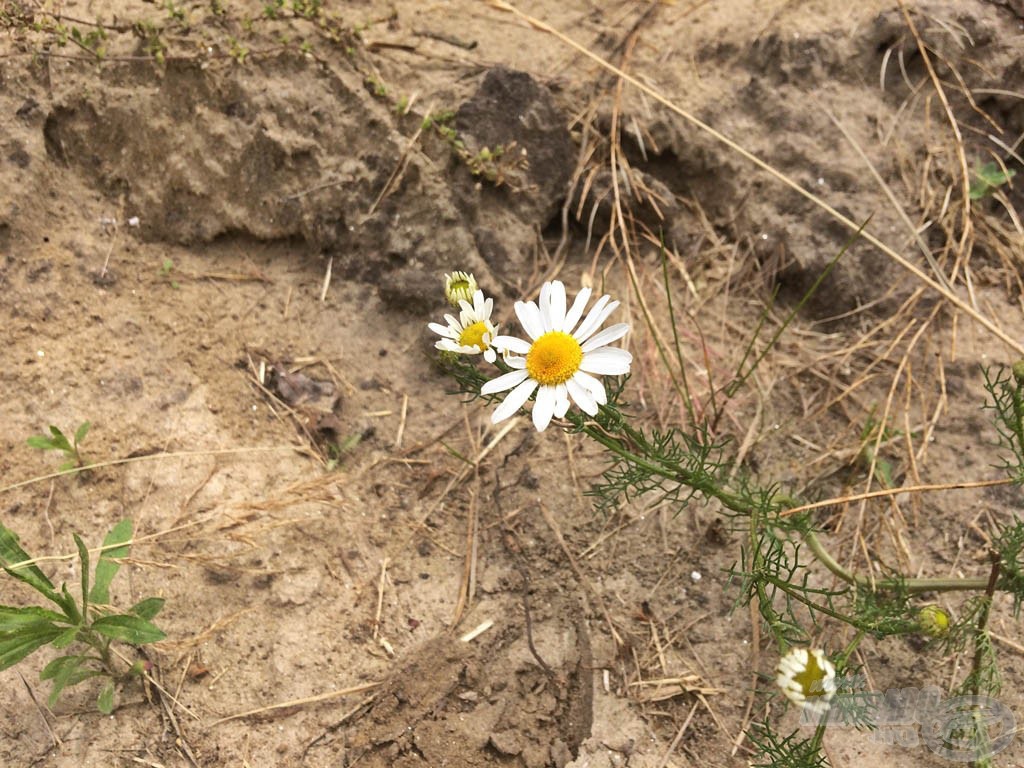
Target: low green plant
58,441
307,9
88,625
237,50
167,272
153,43
989,178
377,87
175,12
272,8
494,165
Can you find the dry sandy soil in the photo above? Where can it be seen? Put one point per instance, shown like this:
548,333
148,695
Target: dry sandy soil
225,259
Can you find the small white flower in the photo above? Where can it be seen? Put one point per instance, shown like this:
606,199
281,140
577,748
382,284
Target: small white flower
558,361
459,287
807,678
472,332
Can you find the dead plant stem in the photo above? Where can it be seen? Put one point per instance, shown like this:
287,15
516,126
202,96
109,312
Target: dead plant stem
949,295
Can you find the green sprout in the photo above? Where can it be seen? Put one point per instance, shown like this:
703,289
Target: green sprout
166,270
237,50
307,9
58,441
88,626
272,8
989,178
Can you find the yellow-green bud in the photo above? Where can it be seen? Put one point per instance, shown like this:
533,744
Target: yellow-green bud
1018,371
933,620
459,286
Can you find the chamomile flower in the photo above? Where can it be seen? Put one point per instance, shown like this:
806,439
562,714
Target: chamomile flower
472,332
561,357
807,678
459,287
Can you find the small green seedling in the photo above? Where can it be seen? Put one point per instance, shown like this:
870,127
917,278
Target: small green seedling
90,626
58,441
989,178
336,452
167,271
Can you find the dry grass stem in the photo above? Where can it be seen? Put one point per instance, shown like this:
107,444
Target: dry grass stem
853,226
299,702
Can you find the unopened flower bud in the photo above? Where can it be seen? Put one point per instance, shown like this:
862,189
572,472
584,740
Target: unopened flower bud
458,287
933,620
1018,371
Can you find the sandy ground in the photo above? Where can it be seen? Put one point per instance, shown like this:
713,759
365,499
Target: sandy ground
225,260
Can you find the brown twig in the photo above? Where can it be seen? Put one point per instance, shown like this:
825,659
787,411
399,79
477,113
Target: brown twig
893,492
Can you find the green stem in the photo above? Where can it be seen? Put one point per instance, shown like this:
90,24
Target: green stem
1018,414
102,646
706,485
799,596
819,737
844,657
912,586
981,629
675,337
676,474
764,603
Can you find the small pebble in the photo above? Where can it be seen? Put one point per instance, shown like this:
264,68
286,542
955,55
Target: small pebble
695,576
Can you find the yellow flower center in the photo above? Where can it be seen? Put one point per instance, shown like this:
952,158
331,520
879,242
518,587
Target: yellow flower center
554,358
812,679
473,336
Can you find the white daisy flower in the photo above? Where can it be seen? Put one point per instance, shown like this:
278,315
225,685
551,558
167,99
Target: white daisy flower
558,361
807,678
459,287
472,332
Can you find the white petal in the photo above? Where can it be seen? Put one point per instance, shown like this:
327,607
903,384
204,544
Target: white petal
512,344
529,317
454,324
576,312
608,361
561,401
442,330
489,355
503,382
592,385
582,397
544,408
544,303
515,362
593,320
605,337
557,305
514,400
